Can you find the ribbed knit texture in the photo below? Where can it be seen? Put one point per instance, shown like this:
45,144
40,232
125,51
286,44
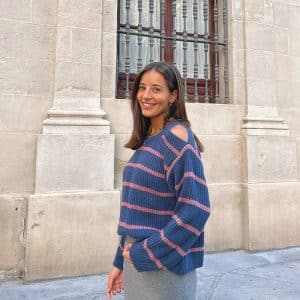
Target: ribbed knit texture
164,205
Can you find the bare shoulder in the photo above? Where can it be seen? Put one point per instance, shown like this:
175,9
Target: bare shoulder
180,131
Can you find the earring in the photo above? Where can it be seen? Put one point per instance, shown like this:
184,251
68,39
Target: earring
170,104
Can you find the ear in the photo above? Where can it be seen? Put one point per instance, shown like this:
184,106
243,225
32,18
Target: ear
174,95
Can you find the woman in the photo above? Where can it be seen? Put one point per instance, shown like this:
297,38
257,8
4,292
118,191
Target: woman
165,201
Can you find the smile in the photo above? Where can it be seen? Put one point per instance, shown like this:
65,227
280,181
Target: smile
147,105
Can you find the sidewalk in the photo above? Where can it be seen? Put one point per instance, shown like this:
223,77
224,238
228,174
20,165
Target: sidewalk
228,275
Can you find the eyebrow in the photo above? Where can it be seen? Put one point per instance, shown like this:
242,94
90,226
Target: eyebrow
153,85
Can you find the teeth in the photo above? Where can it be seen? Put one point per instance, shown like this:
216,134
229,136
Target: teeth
147,105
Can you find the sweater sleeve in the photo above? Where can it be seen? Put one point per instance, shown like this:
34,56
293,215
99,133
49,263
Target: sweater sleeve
185,178
119,259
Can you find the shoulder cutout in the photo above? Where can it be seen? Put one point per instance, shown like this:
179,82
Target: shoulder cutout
180,132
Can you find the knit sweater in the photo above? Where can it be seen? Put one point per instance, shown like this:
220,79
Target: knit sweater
164,204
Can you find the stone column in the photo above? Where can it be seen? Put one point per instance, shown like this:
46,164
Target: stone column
269,153
73,213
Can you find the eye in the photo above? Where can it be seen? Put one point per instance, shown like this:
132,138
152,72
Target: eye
156,89
141,88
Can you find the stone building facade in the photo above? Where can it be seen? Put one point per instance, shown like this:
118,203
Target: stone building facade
62,131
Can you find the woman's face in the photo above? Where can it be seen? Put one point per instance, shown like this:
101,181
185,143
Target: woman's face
154,96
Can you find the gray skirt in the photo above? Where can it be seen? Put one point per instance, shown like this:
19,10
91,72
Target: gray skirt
158,285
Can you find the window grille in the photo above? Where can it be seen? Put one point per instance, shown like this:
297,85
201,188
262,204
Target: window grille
191,34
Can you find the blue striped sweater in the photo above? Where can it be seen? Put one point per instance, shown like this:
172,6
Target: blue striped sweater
164,205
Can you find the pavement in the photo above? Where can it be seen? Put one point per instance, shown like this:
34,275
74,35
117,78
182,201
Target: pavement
227,275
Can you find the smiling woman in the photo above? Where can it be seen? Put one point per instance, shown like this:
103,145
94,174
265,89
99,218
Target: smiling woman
155,99
165,200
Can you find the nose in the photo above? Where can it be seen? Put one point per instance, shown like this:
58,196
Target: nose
146,94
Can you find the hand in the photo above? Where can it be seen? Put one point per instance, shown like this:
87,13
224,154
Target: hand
115,282
126,253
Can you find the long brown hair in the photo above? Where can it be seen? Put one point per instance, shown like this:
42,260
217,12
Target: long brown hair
176,111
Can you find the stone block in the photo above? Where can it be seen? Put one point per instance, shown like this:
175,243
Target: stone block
64,44
71,234
282,40
268,12
259,36
295,67
262,92
283,67
17,161
85,14
108,82
11,39
44,12
270,159
74,163
238,63
39,42
260,64
122,155
12,233
294,15
109,52
40,77
121,122
294,42
295,91
298,156
224,227
86,45
220,119
237,10
109,24
16,9
13,74
239,90
198,115
224,166
78,77
27,77
237,33
254,10
273,215
292,115
284,98
26,113
281,16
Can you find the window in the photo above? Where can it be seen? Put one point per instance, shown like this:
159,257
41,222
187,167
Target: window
185,33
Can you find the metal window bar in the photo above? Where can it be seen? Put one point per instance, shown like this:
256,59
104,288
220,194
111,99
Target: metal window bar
214,45
195,15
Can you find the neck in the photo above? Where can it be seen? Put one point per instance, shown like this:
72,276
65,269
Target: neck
156,125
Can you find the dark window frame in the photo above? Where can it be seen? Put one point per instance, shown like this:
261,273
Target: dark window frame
121,76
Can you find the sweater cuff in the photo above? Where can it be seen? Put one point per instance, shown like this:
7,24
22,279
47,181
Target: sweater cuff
140,258
118,263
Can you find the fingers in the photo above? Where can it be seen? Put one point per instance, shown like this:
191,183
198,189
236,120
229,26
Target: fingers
128,247
114,284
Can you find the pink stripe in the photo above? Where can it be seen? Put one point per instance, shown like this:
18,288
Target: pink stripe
186,226
195,203
171,244
198,249
121,247
129,226
147,170
151,150
145,189
192,175
171,147
148,210
184,149
152,257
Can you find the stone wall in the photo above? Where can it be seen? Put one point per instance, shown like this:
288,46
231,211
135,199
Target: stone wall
27,57
57,78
